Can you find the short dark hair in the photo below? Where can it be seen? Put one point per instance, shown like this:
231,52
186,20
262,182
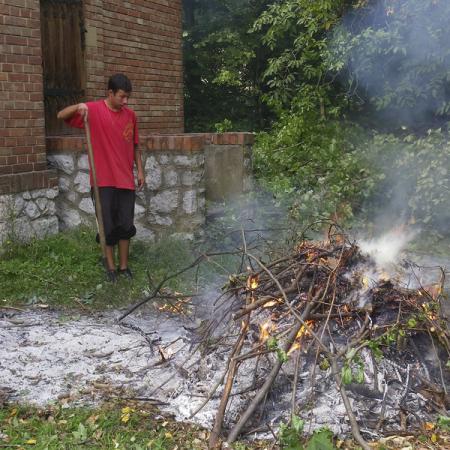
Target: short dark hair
119,81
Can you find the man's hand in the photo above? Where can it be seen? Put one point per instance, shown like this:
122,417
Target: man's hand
83,110
140,179
68,112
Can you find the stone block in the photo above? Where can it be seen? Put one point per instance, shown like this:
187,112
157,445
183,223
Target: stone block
64,163
165,201
4,231
19,204
6,207
69,217
82,183
51,208
72,197
22,228
170,178
139,210
189,160
38,193
87,206
190,202
191,177
31,210
42,203
51,193
64,184
163,159
83,162
45,226
156,219
143,233
153,174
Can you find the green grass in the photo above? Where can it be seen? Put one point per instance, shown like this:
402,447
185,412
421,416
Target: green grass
65,271
123,426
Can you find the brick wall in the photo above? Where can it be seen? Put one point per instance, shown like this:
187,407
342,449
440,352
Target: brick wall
141,38
22,136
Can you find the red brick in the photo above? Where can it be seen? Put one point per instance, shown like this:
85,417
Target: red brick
17,168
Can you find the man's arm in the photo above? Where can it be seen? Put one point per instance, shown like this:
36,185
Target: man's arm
70,111
139,167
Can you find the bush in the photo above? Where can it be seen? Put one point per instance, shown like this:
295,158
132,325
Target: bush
416,184
317,166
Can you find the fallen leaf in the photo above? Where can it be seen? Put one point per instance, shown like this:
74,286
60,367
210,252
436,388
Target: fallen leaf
31,442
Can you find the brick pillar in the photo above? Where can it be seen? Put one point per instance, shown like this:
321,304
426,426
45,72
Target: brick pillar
22,134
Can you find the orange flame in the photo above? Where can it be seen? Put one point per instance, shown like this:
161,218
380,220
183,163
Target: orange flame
304,329
265,329
296,346
271,303
252,282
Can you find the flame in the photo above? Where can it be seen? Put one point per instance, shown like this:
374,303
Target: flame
429,312
434,290
304,329
365,282
296,346
252,282
265,329
271,303
384,276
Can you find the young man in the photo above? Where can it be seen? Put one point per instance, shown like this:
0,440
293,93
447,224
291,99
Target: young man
114,137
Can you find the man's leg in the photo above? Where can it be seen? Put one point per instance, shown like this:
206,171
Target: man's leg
124,248
107,198
110,265
126,228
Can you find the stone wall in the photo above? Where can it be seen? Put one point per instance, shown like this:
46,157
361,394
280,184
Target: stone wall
28,214
173,201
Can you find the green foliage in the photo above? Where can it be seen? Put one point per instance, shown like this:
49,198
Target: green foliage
224,126
290,437
296,31
321,440
416,181
444,423
393,60
315,165
223,64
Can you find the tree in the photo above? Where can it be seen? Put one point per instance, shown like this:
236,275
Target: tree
223,65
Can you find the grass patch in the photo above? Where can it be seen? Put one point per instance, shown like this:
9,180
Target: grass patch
65,270
112,426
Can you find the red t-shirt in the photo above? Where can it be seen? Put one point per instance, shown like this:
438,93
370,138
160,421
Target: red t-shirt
113,136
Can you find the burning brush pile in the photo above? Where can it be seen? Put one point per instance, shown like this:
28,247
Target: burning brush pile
326,335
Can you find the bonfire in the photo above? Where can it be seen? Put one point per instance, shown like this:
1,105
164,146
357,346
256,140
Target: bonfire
330,330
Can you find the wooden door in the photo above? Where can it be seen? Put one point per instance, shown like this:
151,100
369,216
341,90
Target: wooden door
63,46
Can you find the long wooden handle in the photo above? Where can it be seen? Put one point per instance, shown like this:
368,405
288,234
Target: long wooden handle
98,204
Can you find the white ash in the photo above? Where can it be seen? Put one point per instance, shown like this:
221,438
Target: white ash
47,357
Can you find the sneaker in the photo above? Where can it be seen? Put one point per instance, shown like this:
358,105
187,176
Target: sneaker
111,276
126,273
